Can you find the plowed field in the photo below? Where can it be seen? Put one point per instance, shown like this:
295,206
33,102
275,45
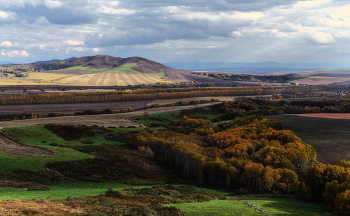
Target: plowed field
325,115
329,136
112,79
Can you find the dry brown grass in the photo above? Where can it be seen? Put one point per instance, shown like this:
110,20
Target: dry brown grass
320,80
38,207
47,76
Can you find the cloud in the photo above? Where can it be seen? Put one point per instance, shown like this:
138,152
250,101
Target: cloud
67,12
310,4
52,4
74,43
6,44
237,34
321,37
7,16
15,53
114,3
116,11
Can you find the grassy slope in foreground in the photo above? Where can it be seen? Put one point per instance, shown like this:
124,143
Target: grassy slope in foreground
62,191
34,135
272,206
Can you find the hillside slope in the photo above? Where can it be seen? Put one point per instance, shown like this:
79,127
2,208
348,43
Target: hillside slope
103,61
99,70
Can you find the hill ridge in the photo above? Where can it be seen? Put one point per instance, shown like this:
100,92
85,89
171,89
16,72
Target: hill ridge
143,65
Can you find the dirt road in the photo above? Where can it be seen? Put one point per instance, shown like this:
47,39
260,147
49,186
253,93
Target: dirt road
70,108
100,120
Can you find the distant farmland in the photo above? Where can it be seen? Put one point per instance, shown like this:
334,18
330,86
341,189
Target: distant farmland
112,79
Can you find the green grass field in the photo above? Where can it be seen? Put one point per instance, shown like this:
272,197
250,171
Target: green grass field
35,135
62,191
126,68
162,74
231,206
272,206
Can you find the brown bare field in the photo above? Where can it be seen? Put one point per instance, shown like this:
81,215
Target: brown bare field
328,73
47,76
100,120
220,98
122,105
320,80
15,82
41,89
68,72
9,146
217,81
177,75
325,115
329,136
112,79
70,108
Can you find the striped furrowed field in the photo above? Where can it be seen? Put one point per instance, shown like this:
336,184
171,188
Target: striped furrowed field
112,79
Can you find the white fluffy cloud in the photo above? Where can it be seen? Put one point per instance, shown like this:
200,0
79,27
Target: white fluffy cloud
15,53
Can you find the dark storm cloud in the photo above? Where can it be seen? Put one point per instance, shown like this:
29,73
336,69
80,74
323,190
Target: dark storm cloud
67,13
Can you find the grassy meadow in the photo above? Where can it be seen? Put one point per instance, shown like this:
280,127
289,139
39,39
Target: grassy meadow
272,206
126,68
161,118
38,135
62,191
47,76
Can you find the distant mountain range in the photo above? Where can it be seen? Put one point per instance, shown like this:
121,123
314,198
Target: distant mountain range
6,63
55,60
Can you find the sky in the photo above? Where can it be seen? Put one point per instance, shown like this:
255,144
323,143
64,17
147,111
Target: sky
177,30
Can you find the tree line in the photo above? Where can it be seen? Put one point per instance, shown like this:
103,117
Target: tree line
146,94
254,157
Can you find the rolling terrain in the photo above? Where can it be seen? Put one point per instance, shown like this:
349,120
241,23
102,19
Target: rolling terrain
100,70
